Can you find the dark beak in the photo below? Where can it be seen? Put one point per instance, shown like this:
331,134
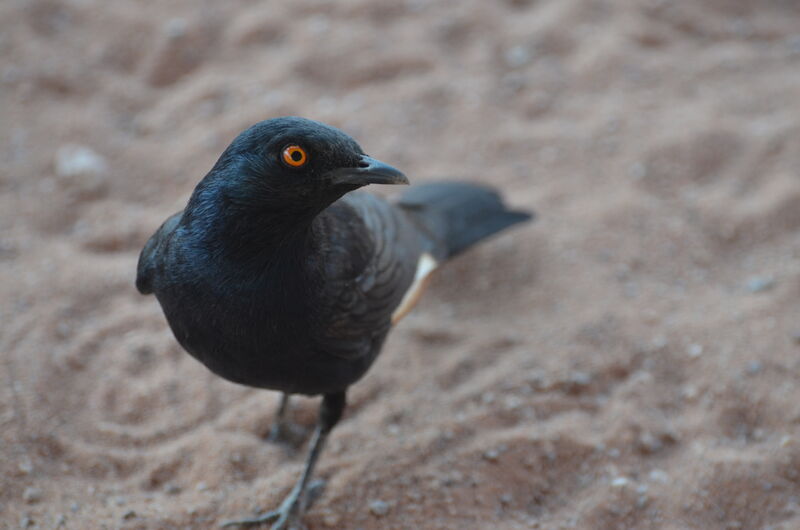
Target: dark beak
368,171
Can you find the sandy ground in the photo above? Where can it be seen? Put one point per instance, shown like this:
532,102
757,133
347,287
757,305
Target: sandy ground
630,360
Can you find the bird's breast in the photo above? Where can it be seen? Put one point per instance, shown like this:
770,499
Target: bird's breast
256,334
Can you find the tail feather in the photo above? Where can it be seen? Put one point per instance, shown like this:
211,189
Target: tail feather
456,215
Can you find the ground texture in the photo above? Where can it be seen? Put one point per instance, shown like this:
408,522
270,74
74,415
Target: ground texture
630,360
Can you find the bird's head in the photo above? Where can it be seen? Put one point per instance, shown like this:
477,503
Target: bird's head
295,165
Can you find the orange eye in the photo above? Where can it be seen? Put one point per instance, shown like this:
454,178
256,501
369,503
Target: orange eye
295,156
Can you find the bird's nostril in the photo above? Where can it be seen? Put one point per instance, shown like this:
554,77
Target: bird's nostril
363,164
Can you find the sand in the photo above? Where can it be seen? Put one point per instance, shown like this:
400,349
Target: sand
629,360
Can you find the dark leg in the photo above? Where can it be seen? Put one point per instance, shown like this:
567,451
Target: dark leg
279,423
293,506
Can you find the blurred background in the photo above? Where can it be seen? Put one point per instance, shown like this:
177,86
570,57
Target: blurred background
629,360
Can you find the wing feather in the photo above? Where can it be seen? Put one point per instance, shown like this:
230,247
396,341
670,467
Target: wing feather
150,255
373,260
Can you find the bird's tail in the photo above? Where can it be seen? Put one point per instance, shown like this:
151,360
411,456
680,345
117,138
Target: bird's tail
456,215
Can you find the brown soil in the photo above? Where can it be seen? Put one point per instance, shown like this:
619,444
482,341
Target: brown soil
630,360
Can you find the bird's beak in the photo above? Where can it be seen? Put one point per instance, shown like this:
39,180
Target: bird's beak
368,171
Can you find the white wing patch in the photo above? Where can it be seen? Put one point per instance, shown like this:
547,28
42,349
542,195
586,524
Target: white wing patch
425,266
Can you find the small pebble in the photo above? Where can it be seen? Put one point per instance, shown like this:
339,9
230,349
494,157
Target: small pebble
579,379
758,284
659,475
620,482
694,350
32,495
659,342
648,443
73,160
517,56
690,392
378,508
491,455
25,467
176,28
638,171
754,367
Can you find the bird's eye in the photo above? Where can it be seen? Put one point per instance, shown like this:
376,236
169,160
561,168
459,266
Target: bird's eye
294,156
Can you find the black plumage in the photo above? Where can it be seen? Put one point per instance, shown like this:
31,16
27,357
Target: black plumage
279,275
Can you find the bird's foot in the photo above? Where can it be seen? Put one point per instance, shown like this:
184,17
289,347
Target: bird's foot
288,515
284,518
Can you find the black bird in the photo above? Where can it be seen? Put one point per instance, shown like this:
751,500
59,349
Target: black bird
278,275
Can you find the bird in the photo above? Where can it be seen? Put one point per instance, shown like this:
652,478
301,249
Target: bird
281,274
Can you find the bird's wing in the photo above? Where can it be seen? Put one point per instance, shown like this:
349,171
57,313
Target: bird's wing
373,260
149,257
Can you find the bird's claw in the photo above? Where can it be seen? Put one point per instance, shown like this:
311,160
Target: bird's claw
284,518
289,512
255,521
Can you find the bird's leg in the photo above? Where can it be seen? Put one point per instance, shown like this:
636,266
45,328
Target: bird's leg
295,504
279,423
